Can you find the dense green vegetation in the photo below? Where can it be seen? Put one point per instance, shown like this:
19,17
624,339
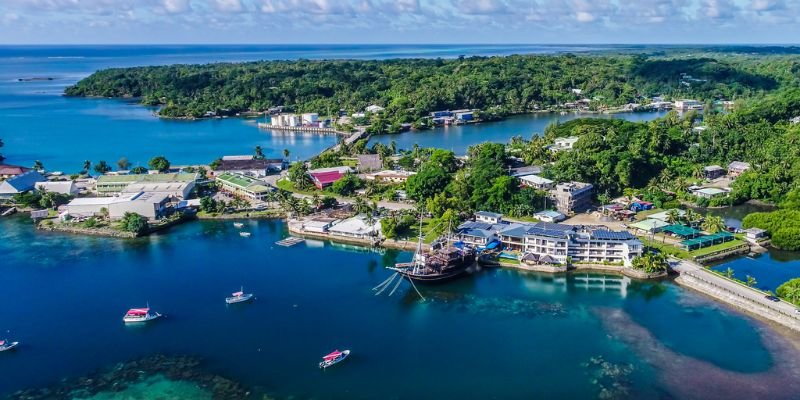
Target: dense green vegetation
409,88
790,291
783,225
134,223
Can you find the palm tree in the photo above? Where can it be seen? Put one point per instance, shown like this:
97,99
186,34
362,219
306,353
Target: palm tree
393,147
729,273
603,199
286,153
316,200
673,216
751,281
37,165
259,152
86,165
691,217
713,224
629,194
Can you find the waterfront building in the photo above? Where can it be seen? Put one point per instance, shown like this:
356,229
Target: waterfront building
248,165
649,225
755,234
20,183
737,168
713,172
91,206
152,206
686,105
318,225
390,176
244,186
10,171
572,197
178,185
61,187
464,115
310,118
369,162
564,143
537,182
358,227
285,120
709,192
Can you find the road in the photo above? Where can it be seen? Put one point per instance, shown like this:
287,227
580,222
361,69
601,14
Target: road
756,296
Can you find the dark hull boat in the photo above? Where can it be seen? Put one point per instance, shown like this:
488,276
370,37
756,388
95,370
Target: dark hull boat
439,265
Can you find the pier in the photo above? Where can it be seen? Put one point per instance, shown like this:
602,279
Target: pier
310,129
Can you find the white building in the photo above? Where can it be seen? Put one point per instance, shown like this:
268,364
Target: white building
389,176
686,105
374,109
285,120
537,182
61,187
564,143
488,217
310,118
20,184
152,206
357,227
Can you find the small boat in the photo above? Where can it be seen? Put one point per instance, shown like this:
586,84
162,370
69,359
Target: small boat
238,224
334,358
239,297
140,315
244,234
5,345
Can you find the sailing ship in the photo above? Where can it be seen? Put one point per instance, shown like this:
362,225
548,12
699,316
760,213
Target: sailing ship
239,297
443,262
140,315
334,358
5,345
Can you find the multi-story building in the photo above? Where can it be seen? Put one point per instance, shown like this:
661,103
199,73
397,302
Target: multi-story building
178,185
243,186
686,105
572,197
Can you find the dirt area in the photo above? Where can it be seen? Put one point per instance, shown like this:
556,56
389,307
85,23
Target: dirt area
595,218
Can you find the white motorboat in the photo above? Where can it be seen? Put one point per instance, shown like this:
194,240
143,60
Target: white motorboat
238,224
140,315
239,297
5,345
244,234
334,358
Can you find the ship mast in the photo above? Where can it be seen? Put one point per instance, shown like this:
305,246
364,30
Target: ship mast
418,251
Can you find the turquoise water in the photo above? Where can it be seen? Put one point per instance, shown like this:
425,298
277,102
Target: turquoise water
495,334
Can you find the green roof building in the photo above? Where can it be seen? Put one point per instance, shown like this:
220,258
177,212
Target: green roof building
176,184
243,186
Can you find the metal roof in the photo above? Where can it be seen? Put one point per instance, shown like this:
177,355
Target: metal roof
611,235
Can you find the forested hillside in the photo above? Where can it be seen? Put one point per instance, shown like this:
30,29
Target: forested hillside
409,88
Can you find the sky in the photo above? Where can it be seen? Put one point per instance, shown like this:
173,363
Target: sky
399,21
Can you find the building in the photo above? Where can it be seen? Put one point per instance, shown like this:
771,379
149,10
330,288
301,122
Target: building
10,171
441,114
709,192
91,206
537,182
152,206
713,172
737,168
564,143
358,227
464,115
243,186
369,162
248,165
285,120
390,176
686,105
529,170
550,216
754,234
318,225
310,119
324,179
572,197
178,185
488,217
61,187
374,109
20,183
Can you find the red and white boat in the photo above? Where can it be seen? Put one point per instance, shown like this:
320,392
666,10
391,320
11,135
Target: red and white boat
140,315
5,345
239,297
334,358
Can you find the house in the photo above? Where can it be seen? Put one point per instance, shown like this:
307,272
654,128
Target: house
20,183
464,115
358,227
754,234
529,170
572,197
390,176
324,179
709,192
10,171
369,162
550,216
686,105
178,185
243,186
373,109
737,168
489,217
713,172
61,187
441,114
318,225
537,182
663,216
248,165
564,143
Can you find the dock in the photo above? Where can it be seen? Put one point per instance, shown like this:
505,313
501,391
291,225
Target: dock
311,129
290,241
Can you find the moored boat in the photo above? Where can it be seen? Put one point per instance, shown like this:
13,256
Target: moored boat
239,297
6,345
244,234
140,315
238,224
334,358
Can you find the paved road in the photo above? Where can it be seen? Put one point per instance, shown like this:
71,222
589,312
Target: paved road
698,271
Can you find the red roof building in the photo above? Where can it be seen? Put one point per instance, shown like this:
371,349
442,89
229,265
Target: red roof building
325,179
10,171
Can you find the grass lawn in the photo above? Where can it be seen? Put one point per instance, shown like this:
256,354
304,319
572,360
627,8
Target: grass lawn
287,185
428,234
716,248
665,248
642,215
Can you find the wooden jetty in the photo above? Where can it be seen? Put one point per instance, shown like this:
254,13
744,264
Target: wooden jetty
290,241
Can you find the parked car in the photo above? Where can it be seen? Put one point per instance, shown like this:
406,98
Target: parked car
797,310
772,298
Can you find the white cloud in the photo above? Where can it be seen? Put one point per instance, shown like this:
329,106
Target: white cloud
176,6
233,6
718,10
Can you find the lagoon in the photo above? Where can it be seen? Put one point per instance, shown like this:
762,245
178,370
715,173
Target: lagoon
496,333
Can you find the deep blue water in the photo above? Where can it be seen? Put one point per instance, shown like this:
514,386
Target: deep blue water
494,334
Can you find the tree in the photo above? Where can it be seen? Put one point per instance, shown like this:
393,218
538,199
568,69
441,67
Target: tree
427,182
347,185
102,167
123,164
159,163
139,170
214,165
286,154
37,165
790,291
135,223
673,216
729,273
298,174
1,154
259,153
651,263
713,224
751,281
86,166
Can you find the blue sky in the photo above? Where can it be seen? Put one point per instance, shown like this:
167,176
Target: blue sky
399,21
